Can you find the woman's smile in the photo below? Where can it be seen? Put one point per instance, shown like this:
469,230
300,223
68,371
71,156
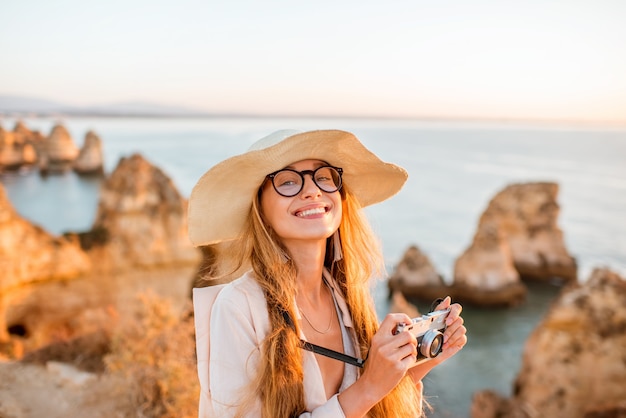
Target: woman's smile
311,212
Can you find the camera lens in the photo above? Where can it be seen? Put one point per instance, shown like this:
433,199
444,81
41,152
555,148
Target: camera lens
435,347
432,344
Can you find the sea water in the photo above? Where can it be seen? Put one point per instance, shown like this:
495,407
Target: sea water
454,168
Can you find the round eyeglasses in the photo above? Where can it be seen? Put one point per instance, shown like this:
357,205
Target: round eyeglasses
288,182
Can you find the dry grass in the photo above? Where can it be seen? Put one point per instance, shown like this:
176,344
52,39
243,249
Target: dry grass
155,353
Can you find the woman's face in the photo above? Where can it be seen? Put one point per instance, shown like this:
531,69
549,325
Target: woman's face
310,215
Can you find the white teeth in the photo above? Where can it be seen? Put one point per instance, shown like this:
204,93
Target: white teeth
310,212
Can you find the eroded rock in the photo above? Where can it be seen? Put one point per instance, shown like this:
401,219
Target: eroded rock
416,277
29,254
574,361
59,150
517,238
90,159
143,217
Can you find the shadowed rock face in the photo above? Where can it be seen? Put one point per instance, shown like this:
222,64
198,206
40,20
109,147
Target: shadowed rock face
416,269
522,221
144,217
415,276
574,363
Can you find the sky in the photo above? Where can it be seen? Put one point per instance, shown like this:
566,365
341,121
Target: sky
535,59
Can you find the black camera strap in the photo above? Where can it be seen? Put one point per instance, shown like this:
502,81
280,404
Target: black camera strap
327,352
323,351
435,303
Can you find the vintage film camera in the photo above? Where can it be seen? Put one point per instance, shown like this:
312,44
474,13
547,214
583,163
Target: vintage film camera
428,329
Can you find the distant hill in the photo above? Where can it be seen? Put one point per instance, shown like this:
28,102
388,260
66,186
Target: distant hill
11,104
21,105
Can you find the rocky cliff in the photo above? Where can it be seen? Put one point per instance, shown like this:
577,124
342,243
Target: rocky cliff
517,238
142,217
139,243
29,254
574,362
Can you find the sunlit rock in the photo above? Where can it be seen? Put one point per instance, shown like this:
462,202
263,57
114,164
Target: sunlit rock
58,151
90,159
10,150
398,303
573,363
484,274
142,218
416,277
29,254
527,214
20,147
517,238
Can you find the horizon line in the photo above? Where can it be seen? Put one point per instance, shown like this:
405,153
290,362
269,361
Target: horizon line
250,115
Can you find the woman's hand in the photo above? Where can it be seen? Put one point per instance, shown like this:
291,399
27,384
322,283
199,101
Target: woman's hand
389,358
454,339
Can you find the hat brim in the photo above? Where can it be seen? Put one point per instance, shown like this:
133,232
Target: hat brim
221,200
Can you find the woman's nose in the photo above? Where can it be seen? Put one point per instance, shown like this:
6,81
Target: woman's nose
309,188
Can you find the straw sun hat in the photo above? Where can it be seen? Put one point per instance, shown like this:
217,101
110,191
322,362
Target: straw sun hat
221,200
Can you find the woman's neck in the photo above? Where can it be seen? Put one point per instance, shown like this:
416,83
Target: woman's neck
309,260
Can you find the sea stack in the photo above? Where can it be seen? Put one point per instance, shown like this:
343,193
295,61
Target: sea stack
59,150
90,159
517,239
415,276
573,363
142,218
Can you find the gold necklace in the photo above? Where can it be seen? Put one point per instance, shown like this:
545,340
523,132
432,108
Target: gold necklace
330,322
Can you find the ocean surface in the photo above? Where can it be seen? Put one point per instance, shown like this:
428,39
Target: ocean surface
455,168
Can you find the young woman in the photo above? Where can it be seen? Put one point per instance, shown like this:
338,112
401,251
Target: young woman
288,212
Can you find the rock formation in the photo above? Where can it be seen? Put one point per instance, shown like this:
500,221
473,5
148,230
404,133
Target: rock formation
19,147
58,151
573,363
90,159
400,304
526,217
10,156
32,142
139,243
484,274
416,277
517,238
142,217
55,153
29,254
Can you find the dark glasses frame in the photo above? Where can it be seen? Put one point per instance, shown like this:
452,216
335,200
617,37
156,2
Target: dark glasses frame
312,173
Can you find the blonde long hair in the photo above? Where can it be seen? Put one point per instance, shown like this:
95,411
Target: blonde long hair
279,381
